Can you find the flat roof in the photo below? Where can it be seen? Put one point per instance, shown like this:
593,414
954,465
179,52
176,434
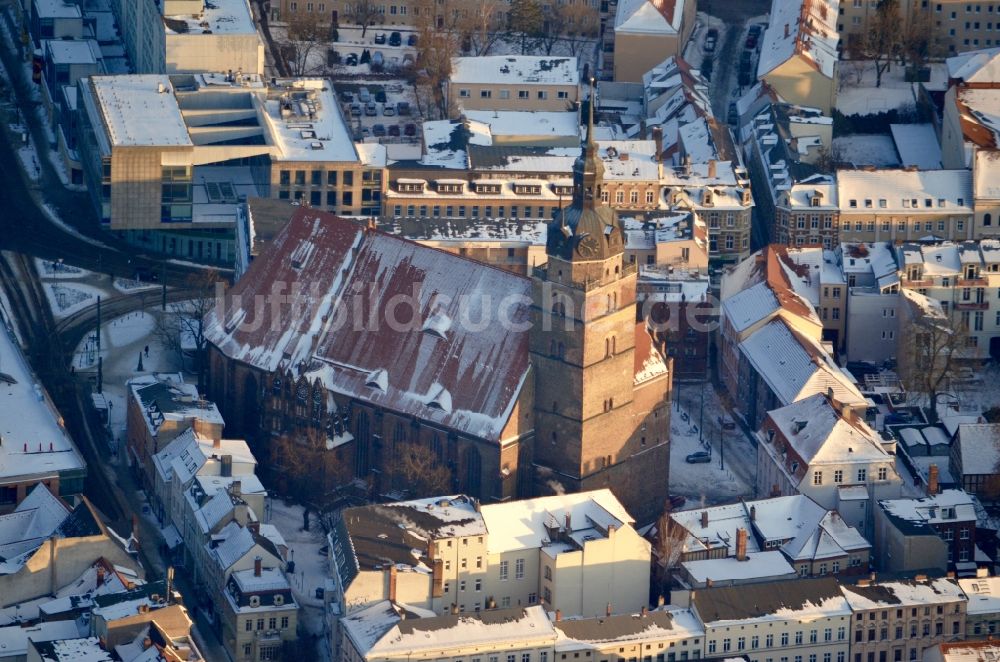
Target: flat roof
140,111
73,51
217,17
516,70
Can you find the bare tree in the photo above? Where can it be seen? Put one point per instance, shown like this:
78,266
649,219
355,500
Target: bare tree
417,467
481,25
931,348
881,40
917,42
436,47
526,21
182,326
579,22
305,35
363,13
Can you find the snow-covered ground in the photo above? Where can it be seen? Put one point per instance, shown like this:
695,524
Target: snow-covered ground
66,299
857,94
867,149
48,269
130,285
707,483
311,568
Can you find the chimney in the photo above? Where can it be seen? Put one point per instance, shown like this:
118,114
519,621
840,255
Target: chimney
645,611
741,544
712,169
53,563
607,610
558,615
569,523
708,582
437,578
753,513
392,582
932,480
100,575
254,527
454,609
227,466
658,140
611,530
236,489
257,563
146,643
872,577
704,519
660,601
216,441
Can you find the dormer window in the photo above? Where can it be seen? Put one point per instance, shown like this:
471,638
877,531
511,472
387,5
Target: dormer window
254,601
450,187
928,202
906,203
527,189
491,187
868,204
883,203
961,202
853,204
941,202
279,600
562,189
410,186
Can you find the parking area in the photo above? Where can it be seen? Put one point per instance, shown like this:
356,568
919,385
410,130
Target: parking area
387,50
380,111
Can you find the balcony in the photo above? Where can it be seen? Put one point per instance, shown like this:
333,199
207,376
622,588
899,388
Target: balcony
542,273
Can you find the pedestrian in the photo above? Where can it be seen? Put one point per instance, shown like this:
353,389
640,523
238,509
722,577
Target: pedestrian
147,351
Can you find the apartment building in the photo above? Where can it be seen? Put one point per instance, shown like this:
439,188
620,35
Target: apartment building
771,337
823,449
796,620
799,52
982,615
812,540
172,177
786,142
905,205
963,278
514,82
644,33
259,613
190,36
898,620
158,409
956,26
936,531
576,553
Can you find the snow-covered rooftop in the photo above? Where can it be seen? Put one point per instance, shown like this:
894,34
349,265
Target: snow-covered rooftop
947,507
820,434
72,650
526,123
910,592
667,623
226,17
896,191
73,51
917,145
140,111
983,594
14,639
979,447
525,524
980,66
378,631
759,566
801,27
795,600
35,443
515,70
657,17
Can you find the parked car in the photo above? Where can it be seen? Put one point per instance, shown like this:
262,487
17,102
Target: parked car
410,129
364,96
733,115
355,110
388,110
701,457
378,60
403,108
378,130
351,60
347,97
380,96
380,38
371,110
711,40
394,88
411,40
395,39
366,132
408,60
394,130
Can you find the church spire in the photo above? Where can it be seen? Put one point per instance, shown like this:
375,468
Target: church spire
588,171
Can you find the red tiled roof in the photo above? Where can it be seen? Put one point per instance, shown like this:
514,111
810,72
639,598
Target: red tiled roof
356,330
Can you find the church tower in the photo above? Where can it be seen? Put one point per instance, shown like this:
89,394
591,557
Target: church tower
602,394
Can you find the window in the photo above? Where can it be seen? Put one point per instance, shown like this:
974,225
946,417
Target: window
769,641
828,634
519,569
838,476
784,639
486,94
503,570
726,645
817,478
711,646
862,475
754,642
883,473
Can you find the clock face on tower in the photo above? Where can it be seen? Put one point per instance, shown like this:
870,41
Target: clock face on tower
588,247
